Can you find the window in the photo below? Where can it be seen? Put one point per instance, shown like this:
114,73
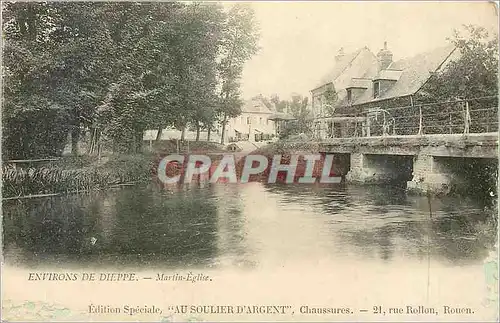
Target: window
260,121
248,120
376,89
349,95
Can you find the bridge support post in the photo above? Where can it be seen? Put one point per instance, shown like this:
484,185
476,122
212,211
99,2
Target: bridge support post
429,177
357,173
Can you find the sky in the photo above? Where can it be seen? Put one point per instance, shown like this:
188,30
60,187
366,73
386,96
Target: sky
299,40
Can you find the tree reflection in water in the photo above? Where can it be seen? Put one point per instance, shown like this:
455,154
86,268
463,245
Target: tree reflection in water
206,226
379,221
147,228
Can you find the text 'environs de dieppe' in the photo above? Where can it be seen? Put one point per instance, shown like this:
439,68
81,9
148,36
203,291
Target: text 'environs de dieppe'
189,276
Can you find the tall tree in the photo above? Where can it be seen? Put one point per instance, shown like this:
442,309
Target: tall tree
298,107
240,37
204,36
34,122
279,105
473,74
118,68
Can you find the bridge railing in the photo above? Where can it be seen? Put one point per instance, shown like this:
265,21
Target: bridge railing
477,115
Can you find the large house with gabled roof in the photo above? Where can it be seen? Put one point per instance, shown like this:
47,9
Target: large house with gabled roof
347,66
365,84
253,124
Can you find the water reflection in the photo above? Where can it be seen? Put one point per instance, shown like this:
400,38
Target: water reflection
139,227
244,226
381,221
232,234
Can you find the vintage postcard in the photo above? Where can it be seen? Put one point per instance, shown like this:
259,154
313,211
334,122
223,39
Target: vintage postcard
249,161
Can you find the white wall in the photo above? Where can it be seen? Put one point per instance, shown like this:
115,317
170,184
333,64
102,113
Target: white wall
249,122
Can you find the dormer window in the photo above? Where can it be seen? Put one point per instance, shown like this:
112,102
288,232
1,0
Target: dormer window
376,89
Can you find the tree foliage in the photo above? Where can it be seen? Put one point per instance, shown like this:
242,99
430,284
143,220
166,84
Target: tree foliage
330,98
117,69
472,75
475,72
240,43
297,107
279,105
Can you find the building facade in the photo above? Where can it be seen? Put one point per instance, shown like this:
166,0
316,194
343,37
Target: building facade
253,124
366,85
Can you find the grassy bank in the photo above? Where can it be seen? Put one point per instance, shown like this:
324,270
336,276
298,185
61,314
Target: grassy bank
75,174
198,147
283,147
84,173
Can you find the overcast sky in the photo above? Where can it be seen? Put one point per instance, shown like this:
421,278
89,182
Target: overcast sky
300,39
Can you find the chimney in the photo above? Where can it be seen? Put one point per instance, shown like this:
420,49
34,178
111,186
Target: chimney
340,54
384,57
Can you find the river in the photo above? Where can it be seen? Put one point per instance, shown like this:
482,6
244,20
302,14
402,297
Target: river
316,245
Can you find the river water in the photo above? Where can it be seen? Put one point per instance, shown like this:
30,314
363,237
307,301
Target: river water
298,245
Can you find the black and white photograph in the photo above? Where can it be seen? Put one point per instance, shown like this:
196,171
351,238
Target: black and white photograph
249,161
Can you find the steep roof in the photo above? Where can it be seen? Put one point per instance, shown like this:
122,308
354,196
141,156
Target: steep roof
255,105
410,73
342,65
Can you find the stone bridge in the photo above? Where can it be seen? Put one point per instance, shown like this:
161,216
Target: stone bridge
435,163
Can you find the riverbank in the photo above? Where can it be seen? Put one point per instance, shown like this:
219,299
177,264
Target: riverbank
75,174
85,173
70,174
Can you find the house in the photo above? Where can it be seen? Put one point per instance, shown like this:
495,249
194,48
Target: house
253,124
366,85
359,64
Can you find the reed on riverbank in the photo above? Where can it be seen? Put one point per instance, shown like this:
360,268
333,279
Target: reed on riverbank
69,176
